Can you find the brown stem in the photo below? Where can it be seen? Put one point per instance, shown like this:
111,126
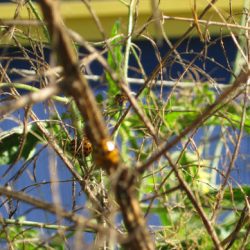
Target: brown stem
106,155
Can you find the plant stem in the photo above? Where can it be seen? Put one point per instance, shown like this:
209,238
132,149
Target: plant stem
129,38
23,86
239,61
215,163
38,16
40,225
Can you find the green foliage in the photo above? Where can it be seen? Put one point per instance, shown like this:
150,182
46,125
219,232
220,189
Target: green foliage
14,138
181,112
183,229
158,189
38,17
114,58
27,238
234,195
11,140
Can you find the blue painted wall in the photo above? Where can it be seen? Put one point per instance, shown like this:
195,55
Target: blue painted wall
149,61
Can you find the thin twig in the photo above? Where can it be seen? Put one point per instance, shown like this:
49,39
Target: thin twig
27,223
200,120
78,219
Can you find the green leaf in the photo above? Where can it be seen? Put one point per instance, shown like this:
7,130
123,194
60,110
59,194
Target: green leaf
99,98
235,195
10,144
10,141
238,194
164,217
114,58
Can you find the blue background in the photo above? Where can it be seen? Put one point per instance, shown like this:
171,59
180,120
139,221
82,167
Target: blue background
149,61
